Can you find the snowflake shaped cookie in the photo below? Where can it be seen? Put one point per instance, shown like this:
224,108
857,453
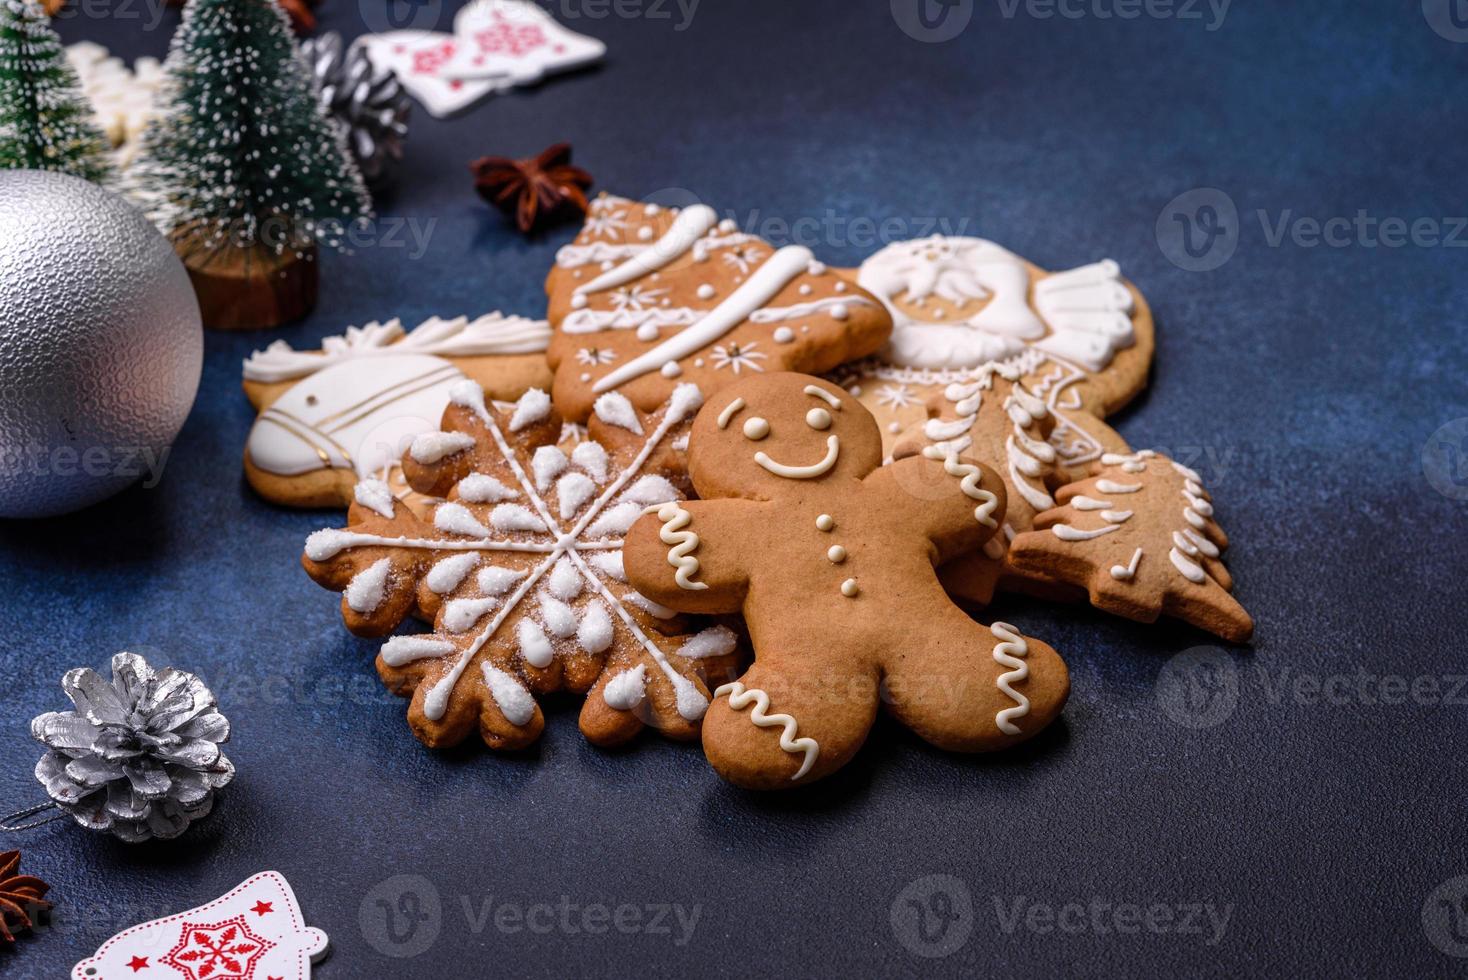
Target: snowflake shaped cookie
520,571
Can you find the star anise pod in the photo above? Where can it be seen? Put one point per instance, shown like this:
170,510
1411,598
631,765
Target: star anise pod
20,895
536,189
303,21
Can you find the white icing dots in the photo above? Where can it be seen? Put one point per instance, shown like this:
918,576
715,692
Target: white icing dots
627,689
609,563
784,335
431,447
514,517
716,641
402,650
445,576
565,581
645,233
671,370
839,312
479,488
592,458
836,554
457,519
706,291
375,496
614,520
497,581
648,332
559,618
614,409
818,418
534,406
547,464
535,646
460,615
514,702
594,633
825,523
850,589
367,588
756,428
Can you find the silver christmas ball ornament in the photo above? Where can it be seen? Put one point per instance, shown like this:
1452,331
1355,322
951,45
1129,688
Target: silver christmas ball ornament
100,344
139,757
368,103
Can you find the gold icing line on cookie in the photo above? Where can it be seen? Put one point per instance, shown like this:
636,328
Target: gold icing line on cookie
389,395
269,417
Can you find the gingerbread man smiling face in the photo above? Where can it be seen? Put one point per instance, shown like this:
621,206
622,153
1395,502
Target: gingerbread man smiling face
830,557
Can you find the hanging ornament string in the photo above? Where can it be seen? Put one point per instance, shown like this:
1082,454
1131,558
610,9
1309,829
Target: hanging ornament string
10,826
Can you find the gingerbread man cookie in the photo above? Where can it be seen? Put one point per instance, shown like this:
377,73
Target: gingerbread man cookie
333,417
830,556
646,298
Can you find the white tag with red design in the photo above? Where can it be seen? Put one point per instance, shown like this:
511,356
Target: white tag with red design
420,60
496,44
516,40
255,932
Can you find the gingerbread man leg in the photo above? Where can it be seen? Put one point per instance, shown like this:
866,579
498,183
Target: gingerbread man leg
974,688
785,722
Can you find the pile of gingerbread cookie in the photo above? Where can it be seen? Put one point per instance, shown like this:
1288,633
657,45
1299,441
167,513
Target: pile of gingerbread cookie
730,493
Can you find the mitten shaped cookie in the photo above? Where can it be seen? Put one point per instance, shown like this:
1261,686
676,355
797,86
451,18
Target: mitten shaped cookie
830,557
647,298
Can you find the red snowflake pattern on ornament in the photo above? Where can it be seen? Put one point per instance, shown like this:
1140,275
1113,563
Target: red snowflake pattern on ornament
223,951
430,61
514,40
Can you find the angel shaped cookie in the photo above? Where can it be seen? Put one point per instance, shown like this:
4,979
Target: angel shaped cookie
830,557
994,357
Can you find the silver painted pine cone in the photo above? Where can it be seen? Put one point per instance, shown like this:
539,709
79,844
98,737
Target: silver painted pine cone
139,756
368,103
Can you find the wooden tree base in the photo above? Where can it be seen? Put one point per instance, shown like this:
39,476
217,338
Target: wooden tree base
249,288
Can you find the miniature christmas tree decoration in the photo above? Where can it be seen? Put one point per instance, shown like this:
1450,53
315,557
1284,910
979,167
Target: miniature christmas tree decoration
45,122
246,202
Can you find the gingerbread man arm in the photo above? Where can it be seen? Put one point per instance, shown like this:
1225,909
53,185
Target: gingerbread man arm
693,555
957,503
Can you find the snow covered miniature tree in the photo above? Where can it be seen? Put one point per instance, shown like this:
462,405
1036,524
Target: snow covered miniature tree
45,123
242,168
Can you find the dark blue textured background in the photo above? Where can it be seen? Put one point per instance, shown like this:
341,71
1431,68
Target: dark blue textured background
1314,376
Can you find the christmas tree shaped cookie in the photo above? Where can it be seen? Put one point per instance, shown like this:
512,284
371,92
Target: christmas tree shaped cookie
1140,536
